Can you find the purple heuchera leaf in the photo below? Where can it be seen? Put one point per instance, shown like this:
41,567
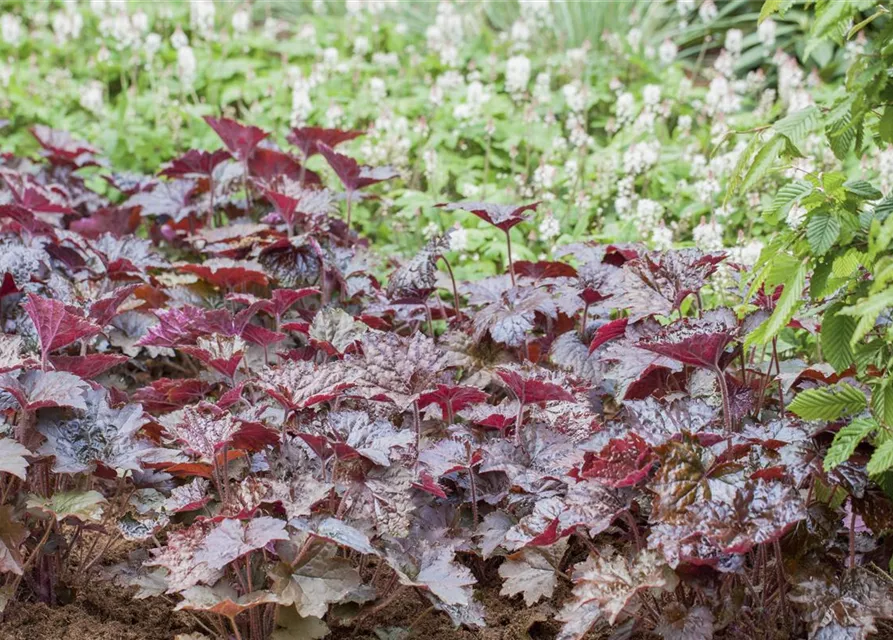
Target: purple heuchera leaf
307,138
240,139
179,557
351,174
698,342
172,198
35,390
501,216
623,462
359,436
57,325
195,163
531,389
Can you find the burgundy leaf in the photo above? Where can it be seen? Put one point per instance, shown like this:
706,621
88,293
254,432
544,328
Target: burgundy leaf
623,462
268,164
530,390
307,138
57,326
501,216
60,148
240,139
351,174
452,399
607,332
89,366
195,163
698,342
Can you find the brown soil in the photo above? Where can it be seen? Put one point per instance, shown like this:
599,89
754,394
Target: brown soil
100,611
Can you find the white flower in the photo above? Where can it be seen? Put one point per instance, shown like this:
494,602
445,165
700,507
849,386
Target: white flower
549,228
301,105
667,51
179,39
574,96
662,237
93,97
683,124
707,11
241,21
201,17
734,41
361,45
446,34
651,95
796,215
625,108
5,74
459,239
140,21
11,28
152,45
186,65
378,90
641,156
766,33
517,74
746,254
67,25
685,7
708,236
544,176
634,38
648,214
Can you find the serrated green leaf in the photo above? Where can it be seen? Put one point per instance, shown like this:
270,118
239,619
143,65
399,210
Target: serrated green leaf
763,162
828,403
837,331
882,402
83,505
789,301
881,459
787,196
769,7
847,264
868,310
796,126
885,125
863,189
846,441
822,231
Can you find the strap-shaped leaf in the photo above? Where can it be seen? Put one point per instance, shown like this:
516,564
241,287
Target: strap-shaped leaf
828,403
846,441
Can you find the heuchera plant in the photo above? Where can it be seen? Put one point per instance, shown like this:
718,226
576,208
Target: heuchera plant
295,445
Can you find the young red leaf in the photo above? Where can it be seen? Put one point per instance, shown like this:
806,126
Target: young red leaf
530,390
452,399
607,332
623,462
89,366
268,165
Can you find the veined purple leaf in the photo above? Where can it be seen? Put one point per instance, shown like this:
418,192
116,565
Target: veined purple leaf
501,216
240,139
697,342
232,539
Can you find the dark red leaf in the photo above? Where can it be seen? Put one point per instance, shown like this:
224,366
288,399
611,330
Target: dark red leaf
240,139
623,462
501,216
307,138
608,331
195,163
89,366
57,326
353,175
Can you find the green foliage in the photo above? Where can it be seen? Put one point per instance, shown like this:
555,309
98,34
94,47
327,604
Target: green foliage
829,403
846,440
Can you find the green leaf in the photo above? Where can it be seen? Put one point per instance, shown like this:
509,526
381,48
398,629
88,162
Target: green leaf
881,459
846,441
769,7
863,189
882,402
885,125
867,310
83,505
763,162
822,231
828,403
847,264
837,331
797,125
787,196
789,301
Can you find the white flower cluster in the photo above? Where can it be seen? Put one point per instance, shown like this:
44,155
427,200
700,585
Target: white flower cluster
201,18
517,76
446,34
641,156
11,29
124,30
708,235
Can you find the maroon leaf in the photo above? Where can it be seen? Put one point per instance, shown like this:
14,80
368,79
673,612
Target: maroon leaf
172,198
544,269
57,326
89,366
351,174
307,138
106,308
501,216
698,342
452,399
268,164
530,390
166,395
195,163
240,139
607,332
623,462
35,389
60,148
